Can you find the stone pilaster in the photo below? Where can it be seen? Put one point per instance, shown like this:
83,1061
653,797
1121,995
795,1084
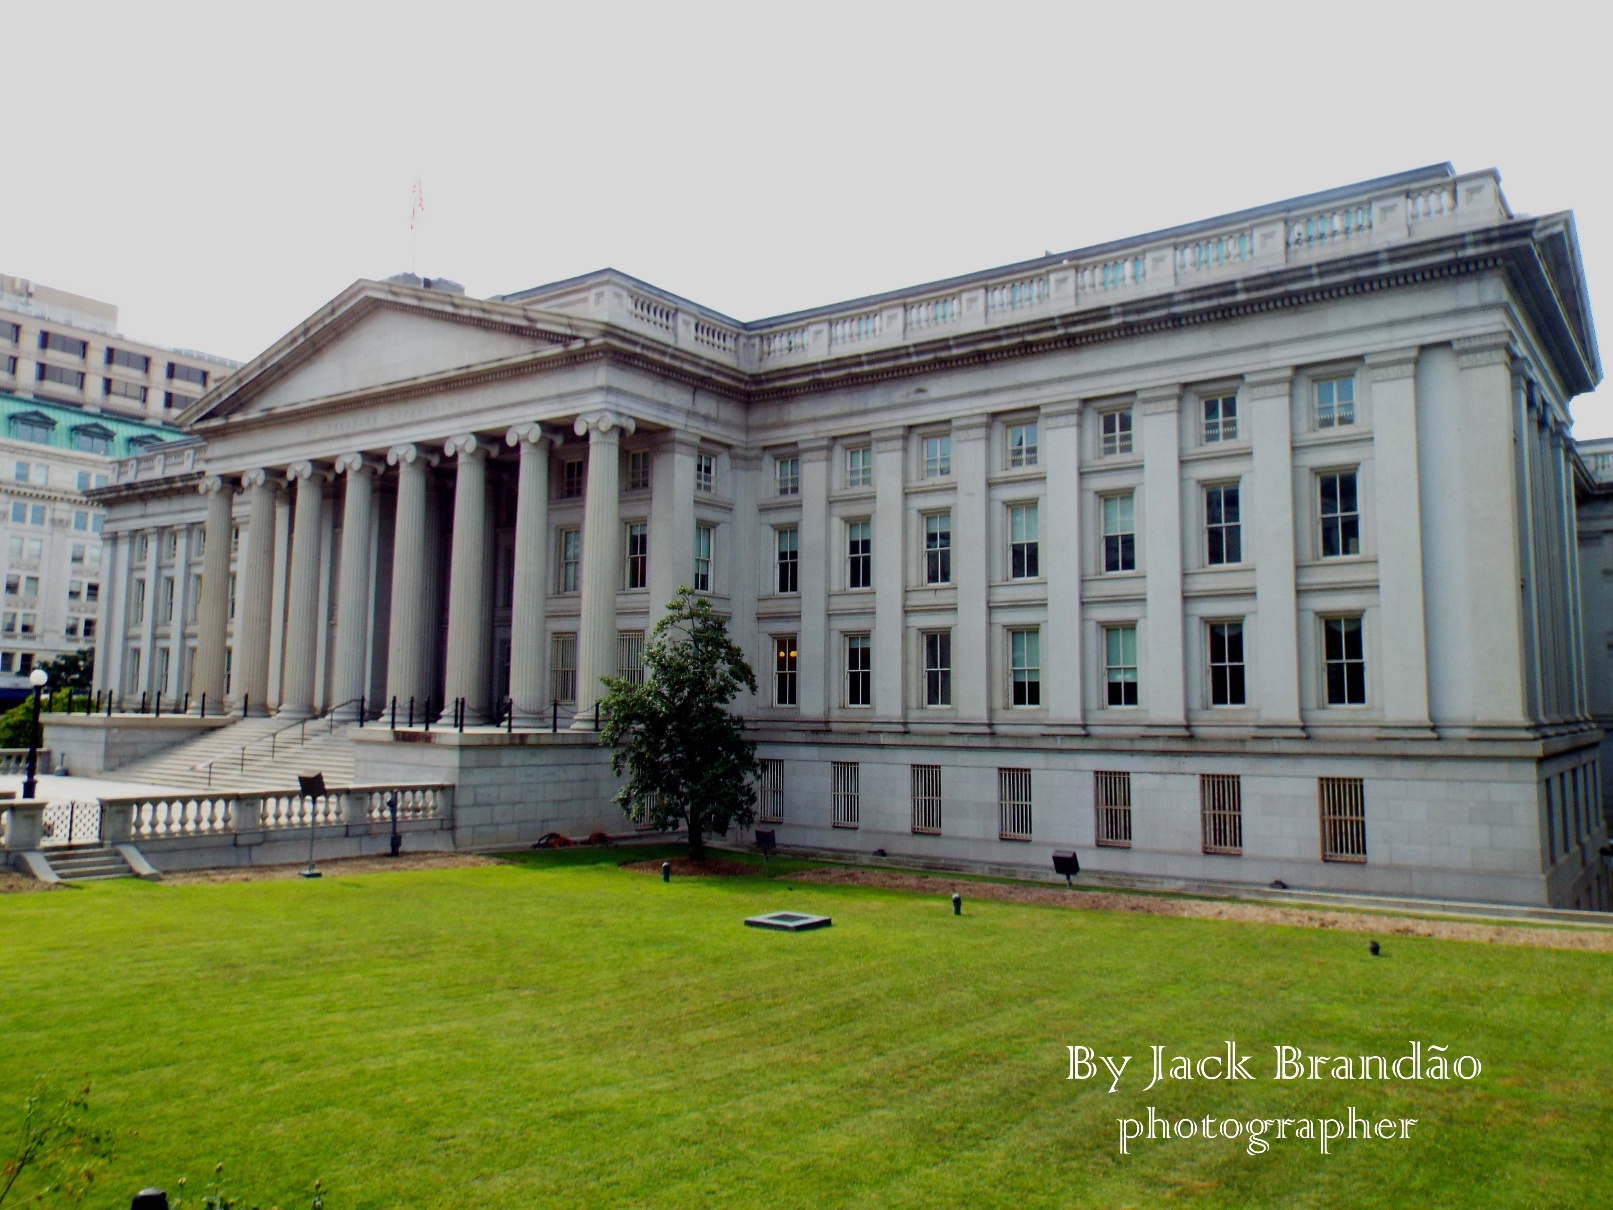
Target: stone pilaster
602,557
531,565
890,572
353,585
1164,687
213,610
467,670
254,595
1060,557
1268,518
972,572
817,569
303,621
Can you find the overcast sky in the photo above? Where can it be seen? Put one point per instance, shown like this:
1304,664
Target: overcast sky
219,171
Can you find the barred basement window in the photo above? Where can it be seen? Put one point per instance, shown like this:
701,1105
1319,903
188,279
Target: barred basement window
771,798
1014,804
643,815
927,799
1112,794
630,655
845,804
1344,820
1221,810
563,668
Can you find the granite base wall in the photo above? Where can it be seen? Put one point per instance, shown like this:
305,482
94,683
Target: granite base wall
92,744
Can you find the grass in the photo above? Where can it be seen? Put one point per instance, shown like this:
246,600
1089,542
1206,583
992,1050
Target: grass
559,1032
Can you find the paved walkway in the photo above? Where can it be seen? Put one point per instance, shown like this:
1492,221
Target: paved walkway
83,789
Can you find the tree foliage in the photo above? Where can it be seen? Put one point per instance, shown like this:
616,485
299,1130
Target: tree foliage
55,1148
73,670
683,752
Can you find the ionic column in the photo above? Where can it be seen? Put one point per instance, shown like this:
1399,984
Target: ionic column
406,644
302,610
531,545
1060,555
1163,674
254,593
353,584
213,610
280,576
601,558
467,666
111,589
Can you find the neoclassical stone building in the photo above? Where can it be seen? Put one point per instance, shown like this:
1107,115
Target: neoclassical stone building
1240,551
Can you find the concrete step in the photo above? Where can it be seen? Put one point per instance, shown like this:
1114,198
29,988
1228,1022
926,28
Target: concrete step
88,865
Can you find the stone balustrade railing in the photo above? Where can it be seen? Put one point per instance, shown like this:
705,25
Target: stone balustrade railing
14,761
145,817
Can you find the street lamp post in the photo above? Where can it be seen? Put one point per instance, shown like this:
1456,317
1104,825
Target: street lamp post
38,678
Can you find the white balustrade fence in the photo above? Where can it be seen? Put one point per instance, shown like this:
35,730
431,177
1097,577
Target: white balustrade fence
157,818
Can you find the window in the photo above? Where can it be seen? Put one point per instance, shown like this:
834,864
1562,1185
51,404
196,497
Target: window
123,390
142,543
938,668
8,622
1021,445
137,602
1221,419
705,472
1335,403
75,589
30,514
57,342
1221,812
702,558
19,513
22,471
787,476
41,475
927,799
10,332
770,807
785,659
190,374
1345,661
788,560
1120,665
1223,525
859,670
630,655
860,466
33,426
1115,428
8,365
25,662
845,798
1341,515
73,380
1014,804
638,554
193,598
1226,664
29,624
138,362
8,660
573,478
13,586
89,628
165,600
170,545
937,456
1111,792
36,549
1024,542
638,470
1025,667
97,522
563,667
1344,818
938,548
81,520
174,400
93,439
860,554
1119,533
570,560
76,555
164,660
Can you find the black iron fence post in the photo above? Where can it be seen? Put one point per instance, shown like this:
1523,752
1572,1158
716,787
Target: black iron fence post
509,716
159,705
394,712
427,716
554,718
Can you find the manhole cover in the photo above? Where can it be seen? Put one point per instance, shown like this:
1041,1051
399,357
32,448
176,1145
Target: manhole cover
789,922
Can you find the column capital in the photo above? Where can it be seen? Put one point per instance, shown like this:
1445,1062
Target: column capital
1269,384
813,449
601,422
1489,349
360,464
398,455
970,428
1392,364
306,470
535,435
678,442
890,438
256,477
212,485
1061,415
744,459
466,445
1154,401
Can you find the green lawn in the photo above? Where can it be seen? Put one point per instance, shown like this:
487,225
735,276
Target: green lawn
565,1033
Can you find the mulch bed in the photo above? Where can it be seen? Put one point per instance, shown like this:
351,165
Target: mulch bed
17,884
1209,909
706,867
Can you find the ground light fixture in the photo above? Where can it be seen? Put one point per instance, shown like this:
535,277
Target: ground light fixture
1067,864
666,871
149,1199
957,904
38,678
766,841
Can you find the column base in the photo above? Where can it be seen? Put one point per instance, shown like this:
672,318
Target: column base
1280,731
1390,731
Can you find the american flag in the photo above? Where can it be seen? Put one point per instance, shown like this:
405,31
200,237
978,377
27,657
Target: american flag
417,204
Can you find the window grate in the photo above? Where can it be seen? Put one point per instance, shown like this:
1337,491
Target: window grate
771,807
1014,804
563,668
846,798
927,799
1221,808
1112,794
1344,820
630,655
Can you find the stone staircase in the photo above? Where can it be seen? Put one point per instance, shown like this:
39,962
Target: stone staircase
317,747
86,864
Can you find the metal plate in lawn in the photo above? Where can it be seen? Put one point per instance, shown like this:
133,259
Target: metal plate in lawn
788,922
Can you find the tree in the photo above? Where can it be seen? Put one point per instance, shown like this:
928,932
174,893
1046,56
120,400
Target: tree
73,670
684,753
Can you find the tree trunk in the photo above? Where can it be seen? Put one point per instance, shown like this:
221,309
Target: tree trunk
697,839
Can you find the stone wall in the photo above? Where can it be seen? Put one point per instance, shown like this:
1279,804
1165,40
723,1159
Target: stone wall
91,744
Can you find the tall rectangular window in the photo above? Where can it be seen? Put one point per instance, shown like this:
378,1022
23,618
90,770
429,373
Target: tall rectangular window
1021,445
938,668
563,668
1111,792
137,603
1115,429
1025,667
937,456
788,558
638,470
1120,665
1226,664
770,802
1221,419
1014,804
1335,402
570,570
630,655
638,554
702,557
1223,525
927,799
860,554
860,466
164,661
1344,818
859,670
165,600
845,794
573,478
705,472
938,548
787,476
1340,514
1345,660
1221,812
1024,542
1120,533
785,662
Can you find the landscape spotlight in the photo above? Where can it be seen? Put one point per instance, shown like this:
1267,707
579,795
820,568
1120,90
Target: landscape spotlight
1067,864
149,1199
666,871
957,904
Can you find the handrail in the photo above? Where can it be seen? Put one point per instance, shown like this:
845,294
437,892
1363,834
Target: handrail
301,725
